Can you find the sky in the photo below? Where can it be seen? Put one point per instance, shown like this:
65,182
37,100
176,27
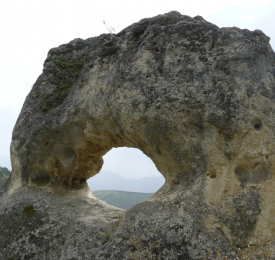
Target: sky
30,28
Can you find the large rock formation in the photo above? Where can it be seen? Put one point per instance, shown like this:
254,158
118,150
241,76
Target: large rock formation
197,99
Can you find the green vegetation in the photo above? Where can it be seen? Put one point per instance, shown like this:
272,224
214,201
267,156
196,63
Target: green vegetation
4,175
106,238
132,45
29,211
122,199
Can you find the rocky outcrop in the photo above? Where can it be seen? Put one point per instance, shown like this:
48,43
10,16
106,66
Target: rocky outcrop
197,99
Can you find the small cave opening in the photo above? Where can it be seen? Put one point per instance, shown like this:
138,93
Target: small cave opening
127,178
257,124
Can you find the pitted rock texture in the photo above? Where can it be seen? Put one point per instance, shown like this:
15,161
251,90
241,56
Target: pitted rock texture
197,99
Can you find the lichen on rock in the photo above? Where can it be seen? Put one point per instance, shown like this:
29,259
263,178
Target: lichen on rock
197,99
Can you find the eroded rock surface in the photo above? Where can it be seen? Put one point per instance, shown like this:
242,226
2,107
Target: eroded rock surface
197,99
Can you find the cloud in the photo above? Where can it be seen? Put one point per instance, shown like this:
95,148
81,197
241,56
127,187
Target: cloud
266,25
130,163
8,119
242,14
5,162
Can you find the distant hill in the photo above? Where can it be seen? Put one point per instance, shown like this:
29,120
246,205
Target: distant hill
4,175
121,199
110,181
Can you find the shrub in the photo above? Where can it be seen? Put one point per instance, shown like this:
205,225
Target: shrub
106,238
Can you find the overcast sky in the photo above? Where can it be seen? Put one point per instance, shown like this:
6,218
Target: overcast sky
30,28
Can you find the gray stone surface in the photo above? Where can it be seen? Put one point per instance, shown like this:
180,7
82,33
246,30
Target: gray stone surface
195,98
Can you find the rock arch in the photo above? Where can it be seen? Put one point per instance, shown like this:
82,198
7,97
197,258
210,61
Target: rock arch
195,98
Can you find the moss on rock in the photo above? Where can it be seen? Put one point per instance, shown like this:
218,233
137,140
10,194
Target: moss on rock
63,70
29,211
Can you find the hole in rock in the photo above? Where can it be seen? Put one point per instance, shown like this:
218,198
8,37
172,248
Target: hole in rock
257,175
257,124
138,33
127,177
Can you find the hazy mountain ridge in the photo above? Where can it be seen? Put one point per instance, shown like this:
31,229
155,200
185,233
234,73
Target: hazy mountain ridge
4,175
110,181
121,199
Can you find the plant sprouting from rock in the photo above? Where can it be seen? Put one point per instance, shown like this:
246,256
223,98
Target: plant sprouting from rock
110,28
106,238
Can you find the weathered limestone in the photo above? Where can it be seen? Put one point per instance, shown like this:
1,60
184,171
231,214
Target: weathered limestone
197,99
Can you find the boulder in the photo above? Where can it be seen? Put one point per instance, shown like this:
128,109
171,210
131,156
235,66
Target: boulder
197,99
